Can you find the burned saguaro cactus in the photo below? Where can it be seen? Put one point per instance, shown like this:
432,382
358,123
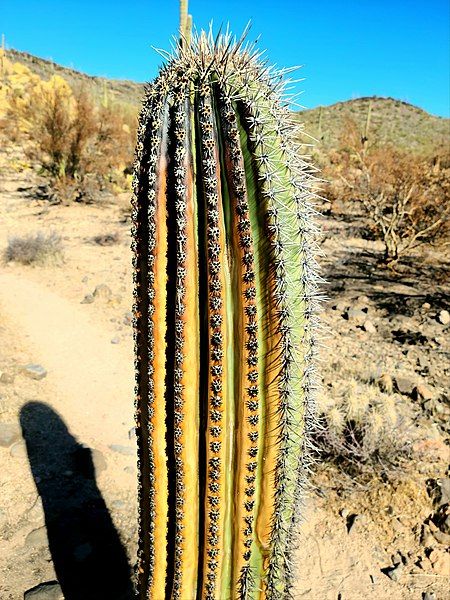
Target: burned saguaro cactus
225,302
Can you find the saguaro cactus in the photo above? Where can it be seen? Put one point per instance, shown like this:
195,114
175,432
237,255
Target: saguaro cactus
225,298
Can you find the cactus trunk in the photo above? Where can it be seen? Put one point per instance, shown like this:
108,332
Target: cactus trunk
225,299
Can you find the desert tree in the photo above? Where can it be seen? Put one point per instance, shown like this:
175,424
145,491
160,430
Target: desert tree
406,197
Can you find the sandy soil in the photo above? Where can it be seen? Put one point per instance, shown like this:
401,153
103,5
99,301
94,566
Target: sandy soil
67,493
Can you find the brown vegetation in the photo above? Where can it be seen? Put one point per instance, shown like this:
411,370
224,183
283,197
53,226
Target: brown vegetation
81,145
405,197
363,434
35,249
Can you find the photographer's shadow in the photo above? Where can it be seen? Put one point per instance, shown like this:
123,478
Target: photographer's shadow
89,559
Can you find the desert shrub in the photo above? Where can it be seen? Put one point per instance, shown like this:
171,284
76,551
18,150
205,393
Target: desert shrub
362,434
35,249
82,146
406,198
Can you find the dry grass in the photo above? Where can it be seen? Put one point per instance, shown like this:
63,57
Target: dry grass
35,249
405,198
364,434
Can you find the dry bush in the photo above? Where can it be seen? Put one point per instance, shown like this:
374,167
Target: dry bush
406,197
363,434
83,147
35,249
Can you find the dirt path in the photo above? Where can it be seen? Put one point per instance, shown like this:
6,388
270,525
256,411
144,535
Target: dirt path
86,400
91,380
68,490
94,378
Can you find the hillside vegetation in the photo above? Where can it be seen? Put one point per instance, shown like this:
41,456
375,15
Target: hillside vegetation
379,155
394,121
116,90
76,131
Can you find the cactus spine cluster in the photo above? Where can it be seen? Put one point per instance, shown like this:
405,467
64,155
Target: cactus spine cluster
225,313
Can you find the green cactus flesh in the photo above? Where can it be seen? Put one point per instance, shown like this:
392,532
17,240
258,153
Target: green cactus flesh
225,299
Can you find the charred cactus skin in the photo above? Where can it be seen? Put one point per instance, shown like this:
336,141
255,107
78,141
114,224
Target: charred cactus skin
225,314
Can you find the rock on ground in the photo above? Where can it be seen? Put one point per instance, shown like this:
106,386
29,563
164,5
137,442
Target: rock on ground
9,433
34,371
50,590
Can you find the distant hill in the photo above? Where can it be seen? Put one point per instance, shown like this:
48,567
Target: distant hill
118,90
395,121
404,125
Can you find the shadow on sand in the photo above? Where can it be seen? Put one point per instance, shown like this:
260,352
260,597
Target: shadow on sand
89,559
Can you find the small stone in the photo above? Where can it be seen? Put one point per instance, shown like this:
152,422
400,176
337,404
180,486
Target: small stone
118,504
426,538
355,523
126,450
433,449
445,525
36,512
369,326
440,561
115,340
37,537
394,572
9,433
444,317
429,596
19,450
82,551
444,489
88,299
423,392
51,590
34,371
442,409
426,306
340,306
441,537
406,384
102,292
132,434
344,512
429,405
6,377
385,383
128,318
355,315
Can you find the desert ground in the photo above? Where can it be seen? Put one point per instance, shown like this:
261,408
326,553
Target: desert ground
67,448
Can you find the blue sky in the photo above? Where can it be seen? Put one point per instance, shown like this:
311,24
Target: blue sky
352,48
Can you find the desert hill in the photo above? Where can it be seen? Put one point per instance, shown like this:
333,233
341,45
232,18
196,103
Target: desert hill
394,121
119,90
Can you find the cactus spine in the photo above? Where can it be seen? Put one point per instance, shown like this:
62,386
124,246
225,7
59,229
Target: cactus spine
225,313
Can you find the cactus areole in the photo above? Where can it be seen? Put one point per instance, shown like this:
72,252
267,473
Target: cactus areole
225,299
